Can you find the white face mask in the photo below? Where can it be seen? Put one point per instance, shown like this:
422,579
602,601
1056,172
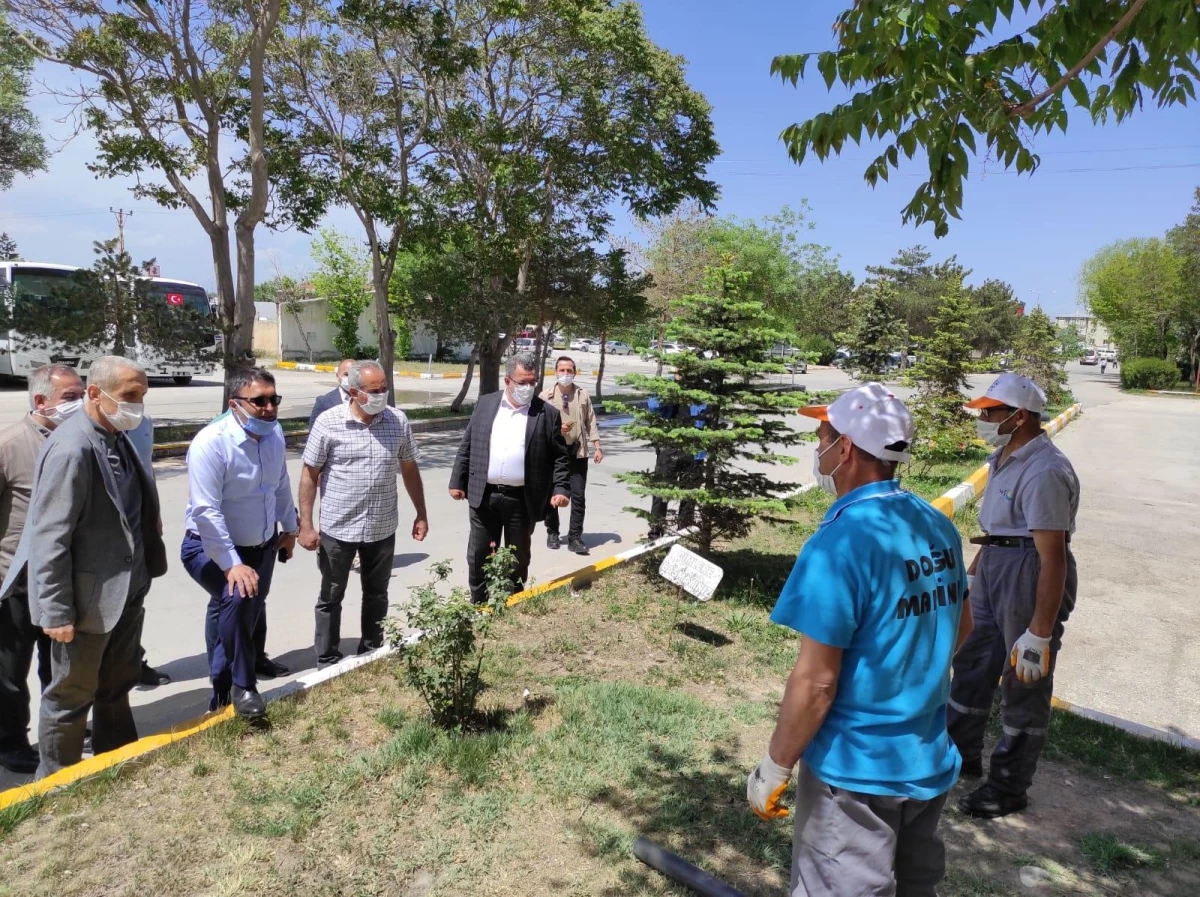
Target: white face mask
824,481
375,403
62,411
128,415
522,394
990,433
566,379
344,383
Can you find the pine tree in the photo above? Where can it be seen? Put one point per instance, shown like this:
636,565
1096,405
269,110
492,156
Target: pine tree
732,422
8,248
944,428
1037,354
875,331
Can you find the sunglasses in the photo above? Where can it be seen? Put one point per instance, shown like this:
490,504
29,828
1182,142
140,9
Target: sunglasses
261,401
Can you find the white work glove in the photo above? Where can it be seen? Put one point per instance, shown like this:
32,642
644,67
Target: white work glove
1031,657
765,787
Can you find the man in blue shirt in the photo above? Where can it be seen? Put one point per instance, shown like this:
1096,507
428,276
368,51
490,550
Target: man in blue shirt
878,594
239,495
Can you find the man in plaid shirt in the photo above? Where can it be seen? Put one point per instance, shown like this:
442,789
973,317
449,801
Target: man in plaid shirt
353,454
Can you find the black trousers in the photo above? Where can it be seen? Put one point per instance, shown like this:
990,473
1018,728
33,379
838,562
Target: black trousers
681,468
501,513
18,637
579,473
334,560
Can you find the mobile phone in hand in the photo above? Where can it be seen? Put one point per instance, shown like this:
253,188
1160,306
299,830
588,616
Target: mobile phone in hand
283,556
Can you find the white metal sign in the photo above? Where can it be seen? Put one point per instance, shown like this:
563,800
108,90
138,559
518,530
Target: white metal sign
690,572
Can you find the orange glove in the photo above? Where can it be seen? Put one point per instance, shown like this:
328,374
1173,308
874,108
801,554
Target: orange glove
765,787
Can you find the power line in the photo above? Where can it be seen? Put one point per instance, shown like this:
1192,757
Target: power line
1081,152
120,215
973,175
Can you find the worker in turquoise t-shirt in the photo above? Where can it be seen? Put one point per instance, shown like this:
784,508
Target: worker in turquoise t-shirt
879,596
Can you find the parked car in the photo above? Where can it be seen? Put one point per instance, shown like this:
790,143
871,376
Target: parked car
616,347
667,349
1090,357
577,345
522,344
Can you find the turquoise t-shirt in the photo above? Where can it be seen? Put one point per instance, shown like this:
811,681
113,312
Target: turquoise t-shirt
883,578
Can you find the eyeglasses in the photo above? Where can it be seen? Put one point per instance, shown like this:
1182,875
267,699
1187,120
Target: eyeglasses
261,401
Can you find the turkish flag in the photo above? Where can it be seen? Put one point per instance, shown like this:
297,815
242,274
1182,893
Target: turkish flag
174,298
1020,309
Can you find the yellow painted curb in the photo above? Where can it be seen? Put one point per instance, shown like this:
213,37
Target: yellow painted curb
108,760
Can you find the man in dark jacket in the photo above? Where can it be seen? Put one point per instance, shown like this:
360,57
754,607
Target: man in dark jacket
512,463
339,395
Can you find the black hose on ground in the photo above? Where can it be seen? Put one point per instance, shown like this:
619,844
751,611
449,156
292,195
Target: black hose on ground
680,870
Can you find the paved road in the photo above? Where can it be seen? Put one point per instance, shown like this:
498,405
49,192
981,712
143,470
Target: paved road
1131,647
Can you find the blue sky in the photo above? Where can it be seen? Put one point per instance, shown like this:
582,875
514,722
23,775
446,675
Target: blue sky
1096,184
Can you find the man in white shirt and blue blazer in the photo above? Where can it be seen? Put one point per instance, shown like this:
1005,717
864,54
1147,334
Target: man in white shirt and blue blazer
239,498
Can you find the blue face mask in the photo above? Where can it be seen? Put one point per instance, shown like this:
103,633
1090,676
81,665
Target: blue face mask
255,426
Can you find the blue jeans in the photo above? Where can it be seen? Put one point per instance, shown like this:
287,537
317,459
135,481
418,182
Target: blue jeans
231,618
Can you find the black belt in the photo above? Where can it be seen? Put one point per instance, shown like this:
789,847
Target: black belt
506,490
1008,541
192,534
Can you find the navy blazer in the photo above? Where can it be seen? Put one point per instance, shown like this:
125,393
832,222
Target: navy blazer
331,399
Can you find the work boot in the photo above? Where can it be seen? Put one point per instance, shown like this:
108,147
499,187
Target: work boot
152,678
576,545
972,769
552,540
988,802
248,703
22,760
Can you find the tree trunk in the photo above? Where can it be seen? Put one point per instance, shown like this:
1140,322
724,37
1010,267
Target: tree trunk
383,323
241,352
227,302
600,370
491,354
457,404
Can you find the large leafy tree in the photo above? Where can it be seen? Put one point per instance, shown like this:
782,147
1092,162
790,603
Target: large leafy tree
350,124
996,317
341,279
1134,287
8,249
734,422
566,108
22,149
174,91
1185,240
917,286
944,78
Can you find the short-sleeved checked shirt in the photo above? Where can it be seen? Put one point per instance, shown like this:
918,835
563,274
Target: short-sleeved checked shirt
1035,489
359,463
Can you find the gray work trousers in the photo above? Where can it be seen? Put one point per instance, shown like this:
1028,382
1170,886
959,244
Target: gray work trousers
865,845
1003,602
94,671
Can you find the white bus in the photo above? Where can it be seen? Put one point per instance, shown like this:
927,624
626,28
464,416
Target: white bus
37,282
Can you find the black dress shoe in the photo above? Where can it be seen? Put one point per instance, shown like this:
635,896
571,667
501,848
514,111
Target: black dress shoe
21,760
972,769
152,678
988,802
553,541
248,703
577,546
266,668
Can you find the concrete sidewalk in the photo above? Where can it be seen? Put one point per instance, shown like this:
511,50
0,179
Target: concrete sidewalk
1131,646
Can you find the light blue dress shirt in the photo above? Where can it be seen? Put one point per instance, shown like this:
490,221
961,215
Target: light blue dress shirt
238,489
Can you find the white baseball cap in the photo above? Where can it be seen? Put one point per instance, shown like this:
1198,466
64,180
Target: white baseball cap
871,417
1012,391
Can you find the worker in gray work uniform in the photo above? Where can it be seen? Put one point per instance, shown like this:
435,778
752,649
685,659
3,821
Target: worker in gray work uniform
1022,587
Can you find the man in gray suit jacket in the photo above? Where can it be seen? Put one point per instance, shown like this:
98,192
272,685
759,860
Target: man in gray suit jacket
91,545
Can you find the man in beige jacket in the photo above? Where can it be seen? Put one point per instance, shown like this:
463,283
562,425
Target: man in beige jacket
579,430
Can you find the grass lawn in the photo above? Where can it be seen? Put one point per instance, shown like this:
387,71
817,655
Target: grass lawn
612,712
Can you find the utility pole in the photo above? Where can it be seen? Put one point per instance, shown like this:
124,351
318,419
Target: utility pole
121,215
